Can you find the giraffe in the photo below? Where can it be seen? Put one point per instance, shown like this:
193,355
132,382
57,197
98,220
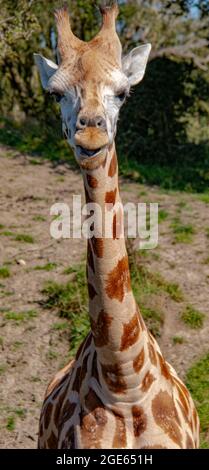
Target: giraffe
118,392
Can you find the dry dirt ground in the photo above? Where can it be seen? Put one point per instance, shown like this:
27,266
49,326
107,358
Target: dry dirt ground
33,350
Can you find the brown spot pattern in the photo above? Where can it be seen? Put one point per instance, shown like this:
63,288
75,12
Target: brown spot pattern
100,329
114,378
163,366
90,258
98,246
118,281
152,354
117,227
92,292
92,181
131,332
47,415
69,441
113,166
84,368
147,381
52,441
139,361
76,383
95,373
110,197
139,420
119,440
93,421
58,407
165,416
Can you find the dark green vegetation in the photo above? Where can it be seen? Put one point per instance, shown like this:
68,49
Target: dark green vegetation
163,132
198,384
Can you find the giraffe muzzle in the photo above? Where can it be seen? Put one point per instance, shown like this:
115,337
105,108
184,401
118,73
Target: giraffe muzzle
91,142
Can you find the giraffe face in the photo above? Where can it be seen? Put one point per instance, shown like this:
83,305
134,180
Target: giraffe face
90,106
91,84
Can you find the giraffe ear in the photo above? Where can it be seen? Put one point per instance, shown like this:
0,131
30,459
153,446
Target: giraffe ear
134,64
46,67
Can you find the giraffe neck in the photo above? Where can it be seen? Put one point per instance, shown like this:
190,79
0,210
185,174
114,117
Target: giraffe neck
117,326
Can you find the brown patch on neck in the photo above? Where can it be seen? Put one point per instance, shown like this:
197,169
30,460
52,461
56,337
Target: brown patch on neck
100,329
110,197
113,166
165,416
92,181
139,361
118,227
119,440
118,281
164,368
98,246
139,420
131,333
114,378
147,382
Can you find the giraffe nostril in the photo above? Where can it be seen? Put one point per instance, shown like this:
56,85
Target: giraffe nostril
100,122
82,122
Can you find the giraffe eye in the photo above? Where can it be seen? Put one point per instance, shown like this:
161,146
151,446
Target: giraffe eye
122,96
57,96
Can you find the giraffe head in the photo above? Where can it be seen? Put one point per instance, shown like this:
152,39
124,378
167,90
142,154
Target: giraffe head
91,82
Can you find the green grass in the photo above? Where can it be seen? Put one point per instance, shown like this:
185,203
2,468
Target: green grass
192,317
198,384
162,216
207,232
204,198
178,340
47,267
1,226
183,233
23,237
20,412
10,423
60,326
20,316
4,272
7,233
39,218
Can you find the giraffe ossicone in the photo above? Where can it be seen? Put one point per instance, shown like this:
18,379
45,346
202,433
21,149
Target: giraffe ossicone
119,392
